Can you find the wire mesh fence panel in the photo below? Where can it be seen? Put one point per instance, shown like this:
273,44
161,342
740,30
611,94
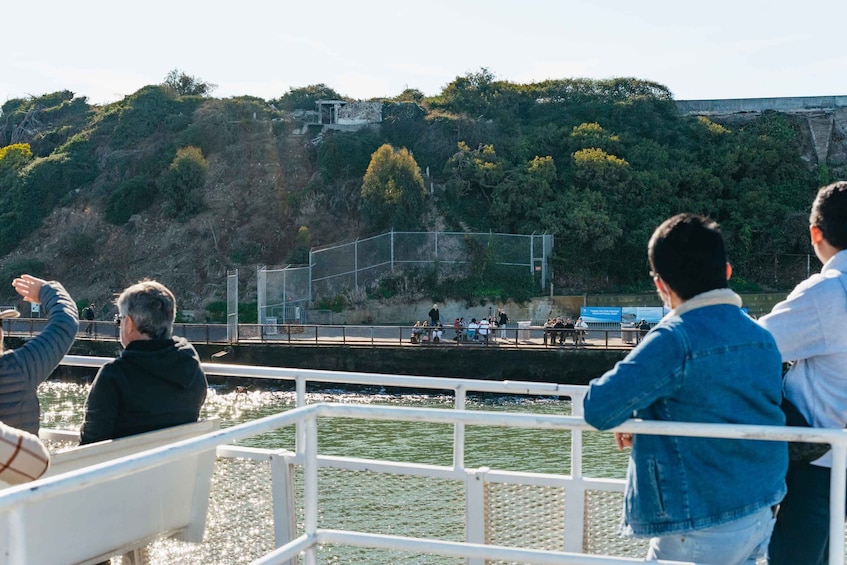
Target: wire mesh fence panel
415,247
602,521
525,516
379,503
333,286
333,261
239,525
284,294
373,251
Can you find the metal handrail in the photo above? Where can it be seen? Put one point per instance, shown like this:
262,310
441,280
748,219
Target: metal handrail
305,417
537,337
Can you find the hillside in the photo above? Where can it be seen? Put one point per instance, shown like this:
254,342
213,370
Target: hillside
100,197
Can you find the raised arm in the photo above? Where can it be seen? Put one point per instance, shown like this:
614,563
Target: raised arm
37,358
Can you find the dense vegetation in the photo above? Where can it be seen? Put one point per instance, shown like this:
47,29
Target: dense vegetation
598,163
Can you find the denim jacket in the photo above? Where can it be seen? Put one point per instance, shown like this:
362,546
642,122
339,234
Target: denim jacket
706,361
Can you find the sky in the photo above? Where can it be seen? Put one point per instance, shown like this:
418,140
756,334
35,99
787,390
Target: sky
106,50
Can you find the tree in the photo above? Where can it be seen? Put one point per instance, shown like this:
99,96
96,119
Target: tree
529,202
14,157
476,172
393,190
304,98
182,180
409,95
186,85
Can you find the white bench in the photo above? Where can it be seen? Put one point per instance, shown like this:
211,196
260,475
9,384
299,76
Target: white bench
103,517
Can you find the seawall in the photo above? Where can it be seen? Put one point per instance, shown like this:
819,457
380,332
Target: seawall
559,365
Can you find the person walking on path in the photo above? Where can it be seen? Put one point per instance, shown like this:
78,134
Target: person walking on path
24,368
88,315
809,328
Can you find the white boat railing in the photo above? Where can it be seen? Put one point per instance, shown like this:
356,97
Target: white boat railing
475,548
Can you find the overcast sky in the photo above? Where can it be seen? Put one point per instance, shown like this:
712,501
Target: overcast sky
106,49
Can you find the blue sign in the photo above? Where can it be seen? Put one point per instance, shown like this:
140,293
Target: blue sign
600,313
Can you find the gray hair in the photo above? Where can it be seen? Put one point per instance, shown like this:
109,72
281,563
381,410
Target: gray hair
152,307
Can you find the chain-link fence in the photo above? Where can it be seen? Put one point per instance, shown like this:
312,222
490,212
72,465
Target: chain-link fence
333,270
779,271
283,294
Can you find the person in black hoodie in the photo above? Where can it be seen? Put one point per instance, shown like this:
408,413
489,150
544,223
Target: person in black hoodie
157,382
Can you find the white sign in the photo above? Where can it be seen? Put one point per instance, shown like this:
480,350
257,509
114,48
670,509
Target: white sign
34,308
270,326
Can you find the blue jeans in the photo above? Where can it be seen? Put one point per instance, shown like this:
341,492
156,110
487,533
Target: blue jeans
801,534
740,541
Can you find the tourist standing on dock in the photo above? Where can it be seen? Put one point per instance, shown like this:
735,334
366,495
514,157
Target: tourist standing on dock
704,500
434,315
157,381
502,320
23,369
809,328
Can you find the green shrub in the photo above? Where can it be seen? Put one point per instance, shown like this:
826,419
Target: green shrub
182,181
77,245
129,197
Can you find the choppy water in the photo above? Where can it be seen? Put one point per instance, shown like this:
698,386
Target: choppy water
542,451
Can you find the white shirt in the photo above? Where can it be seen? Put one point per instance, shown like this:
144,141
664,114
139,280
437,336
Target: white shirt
483,327
810,328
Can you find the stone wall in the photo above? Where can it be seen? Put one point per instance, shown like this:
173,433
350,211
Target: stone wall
824,118
737,105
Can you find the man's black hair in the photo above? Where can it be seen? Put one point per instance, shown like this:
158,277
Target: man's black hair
687,251
829,213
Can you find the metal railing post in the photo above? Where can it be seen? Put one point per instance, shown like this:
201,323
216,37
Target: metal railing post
459,431
283,494
310,486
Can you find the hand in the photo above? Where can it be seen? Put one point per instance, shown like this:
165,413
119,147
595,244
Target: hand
29,287
623,440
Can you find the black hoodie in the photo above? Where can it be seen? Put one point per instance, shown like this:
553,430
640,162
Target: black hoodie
154,384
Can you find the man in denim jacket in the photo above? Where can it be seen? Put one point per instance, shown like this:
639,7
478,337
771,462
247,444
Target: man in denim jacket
698,499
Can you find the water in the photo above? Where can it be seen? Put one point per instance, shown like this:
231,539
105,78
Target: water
512,449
